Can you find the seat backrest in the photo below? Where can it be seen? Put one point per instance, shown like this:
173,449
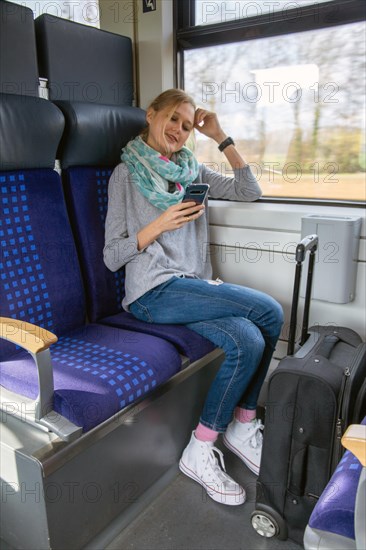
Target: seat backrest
18,59
84,64
86,189
40,276
95,133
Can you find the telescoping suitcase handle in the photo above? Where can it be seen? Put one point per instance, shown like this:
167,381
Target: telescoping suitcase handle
308,244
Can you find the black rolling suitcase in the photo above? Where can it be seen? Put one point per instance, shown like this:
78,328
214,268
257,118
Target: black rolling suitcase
313,395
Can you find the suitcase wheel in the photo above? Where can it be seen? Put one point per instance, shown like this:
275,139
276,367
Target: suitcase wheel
264,524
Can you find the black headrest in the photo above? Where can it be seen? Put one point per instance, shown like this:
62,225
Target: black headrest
83,63
30,131
95,134
18,57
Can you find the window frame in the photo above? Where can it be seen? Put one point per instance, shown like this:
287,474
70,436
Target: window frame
311,17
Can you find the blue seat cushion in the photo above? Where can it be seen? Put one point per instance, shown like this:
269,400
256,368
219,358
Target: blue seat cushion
98,371
335,510
188,342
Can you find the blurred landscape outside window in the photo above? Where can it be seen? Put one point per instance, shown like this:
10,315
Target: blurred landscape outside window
295,106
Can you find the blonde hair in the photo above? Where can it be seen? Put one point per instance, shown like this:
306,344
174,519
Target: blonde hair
170,99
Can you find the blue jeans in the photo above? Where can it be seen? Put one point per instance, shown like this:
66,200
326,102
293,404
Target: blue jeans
244,322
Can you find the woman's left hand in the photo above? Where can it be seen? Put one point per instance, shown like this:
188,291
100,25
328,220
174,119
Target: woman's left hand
206,122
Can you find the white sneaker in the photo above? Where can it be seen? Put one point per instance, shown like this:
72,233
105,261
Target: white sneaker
245,439
200,463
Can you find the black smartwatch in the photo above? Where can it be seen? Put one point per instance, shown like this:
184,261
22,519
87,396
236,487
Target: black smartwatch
228,141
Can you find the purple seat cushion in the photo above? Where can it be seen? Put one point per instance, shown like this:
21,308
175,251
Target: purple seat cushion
98,371
188,342
335,510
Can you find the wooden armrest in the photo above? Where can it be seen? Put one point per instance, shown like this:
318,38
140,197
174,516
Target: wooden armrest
354,439
28,336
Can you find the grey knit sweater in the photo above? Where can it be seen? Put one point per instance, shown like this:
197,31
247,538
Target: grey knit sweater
184,251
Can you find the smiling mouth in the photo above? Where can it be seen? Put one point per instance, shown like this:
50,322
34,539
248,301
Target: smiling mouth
171,138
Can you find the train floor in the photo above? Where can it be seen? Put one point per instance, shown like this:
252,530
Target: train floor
182,517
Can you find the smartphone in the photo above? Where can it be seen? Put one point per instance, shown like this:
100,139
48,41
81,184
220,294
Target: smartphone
196,192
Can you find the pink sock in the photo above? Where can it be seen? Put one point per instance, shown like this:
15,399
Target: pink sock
245,415
205,434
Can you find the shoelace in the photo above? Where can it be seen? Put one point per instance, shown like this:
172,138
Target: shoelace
255,436
220,472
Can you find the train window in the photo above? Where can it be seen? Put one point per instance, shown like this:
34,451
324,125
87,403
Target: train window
207,12
82,11
292,96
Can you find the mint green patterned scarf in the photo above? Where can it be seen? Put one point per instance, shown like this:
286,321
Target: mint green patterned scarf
151,172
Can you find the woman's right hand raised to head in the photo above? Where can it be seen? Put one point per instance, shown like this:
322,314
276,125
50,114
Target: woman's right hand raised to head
174,217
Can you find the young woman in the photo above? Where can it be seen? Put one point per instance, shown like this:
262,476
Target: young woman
164,245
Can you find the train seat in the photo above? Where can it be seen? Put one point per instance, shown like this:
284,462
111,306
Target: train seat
94,366
338,519
86,189
95,133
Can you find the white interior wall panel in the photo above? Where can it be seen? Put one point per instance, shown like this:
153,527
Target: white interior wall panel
253,244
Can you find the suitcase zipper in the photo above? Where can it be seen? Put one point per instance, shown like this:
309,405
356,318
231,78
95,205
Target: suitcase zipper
337,452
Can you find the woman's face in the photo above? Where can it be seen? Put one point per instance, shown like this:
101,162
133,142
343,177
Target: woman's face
169,132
